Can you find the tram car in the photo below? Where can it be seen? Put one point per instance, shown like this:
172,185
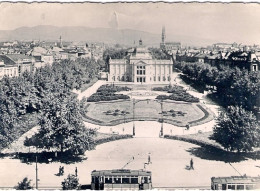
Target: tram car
235,183
121,179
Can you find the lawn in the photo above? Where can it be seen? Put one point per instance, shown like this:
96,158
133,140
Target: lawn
176,113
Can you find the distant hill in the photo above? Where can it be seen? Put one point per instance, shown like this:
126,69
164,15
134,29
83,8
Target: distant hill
106,35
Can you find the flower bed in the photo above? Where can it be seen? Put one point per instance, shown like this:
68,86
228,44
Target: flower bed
107,93
177,94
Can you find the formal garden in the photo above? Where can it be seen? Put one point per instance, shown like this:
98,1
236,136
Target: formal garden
177,93
108,93
176,113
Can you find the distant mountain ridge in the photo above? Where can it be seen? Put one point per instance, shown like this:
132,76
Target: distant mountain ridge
80,33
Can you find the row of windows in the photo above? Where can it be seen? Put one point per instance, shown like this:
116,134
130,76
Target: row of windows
121,179
140,72
141,67
123,78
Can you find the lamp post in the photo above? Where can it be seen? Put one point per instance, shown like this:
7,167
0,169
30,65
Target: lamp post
36,169
133,117
161,118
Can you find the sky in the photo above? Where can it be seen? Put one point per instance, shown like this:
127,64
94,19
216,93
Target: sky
238,22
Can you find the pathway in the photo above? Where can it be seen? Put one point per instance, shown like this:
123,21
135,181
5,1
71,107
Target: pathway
92,89
169,160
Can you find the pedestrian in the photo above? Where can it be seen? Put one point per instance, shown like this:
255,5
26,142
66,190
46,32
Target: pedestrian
191,164
76,171
149,159
60,170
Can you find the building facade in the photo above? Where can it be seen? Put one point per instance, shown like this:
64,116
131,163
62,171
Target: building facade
139,67
15,64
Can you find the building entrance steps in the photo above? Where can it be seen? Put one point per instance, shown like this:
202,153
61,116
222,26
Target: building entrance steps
142,87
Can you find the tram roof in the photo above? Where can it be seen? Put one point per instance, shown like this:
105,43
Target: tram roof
121,172
236,179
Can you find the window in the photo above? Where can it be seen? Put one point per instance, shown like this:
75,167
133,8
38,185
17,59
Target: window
254,67
140,70
134,180
159,78
117,179
249,187
154,78
169,78
108,180
240,187
125,180
231,187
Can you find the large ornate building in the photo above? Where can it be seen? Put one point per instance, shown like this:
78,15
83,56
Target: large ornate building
139,67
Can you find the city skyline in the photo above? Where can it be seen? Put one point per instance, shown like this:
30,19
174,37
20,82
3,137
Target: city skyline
219,22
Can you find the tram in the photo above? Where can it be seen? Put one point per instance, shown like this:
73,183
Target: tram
121,179
235,183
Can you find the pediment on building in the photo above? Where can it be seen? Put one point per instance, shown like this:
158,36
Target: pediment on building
140,62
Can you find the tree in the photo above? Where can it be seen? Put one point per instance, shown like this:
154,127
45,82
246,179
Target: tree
70,183
237,130
62,127
25,184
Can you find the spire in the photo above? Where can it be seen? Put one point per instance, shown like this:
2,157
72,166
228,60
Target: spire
163,34
60,42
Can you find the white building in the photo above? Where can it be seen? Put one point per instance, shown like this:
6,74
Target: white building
140,67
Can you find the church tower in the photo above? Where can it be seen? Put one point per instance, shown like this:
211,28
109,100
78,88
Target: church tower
60,45
163,35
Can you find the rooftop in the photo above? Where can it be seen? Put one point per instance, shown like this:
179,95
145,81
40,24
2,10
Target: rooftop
120,172
236,179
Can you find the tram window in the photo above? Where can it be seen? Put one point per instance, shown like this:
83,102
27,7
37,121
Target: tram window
145,179
224,186
134,180
231,187
93,179
125,180
96,179
240,187
117,180
249,187
108,180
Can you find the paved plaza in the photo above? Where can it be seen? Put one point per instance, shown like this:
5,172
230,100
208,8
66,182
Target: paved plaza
169,159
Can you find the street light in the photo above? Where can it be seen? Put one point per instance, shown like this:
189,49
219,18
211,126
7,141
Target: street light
133,117
161,118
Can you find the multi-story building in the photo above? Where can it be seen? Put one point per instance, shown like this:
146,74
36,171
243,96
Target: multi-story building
139,67
15,64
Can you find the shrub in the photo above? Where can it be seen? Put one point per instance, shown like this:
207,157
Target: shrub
25,184
70,183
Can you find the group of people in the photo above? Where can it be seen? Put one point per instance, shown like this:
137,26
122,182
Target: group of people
61,171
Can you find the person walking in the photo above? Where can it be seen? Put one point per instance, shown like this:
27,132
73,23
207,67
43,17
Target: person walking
76,171
191,164
60,170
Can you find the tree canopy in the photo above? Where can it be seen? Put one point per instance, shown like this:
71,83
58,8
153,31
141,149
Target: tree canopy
237,130
30,93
